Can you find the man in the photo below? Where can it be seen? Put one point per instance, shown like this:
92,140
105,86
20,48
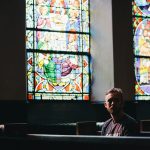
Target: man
120,124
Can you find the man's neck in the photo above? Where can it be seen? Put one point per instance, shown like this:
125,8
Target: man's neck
117,117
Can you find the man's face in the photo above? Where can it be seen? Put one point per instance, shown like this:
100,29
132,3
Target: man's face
113,103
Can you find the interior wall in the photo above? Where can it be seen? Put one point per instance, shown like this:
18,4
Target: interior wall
12,50
101,48
112,48
123,47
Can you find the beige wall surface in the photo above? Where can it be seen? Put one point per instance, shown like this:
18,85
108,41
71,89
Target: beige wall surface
101,48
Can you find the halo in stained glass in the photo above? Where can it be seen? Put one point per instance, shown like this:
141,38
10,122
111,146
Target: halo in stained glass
142,38
142,74
71,20
63,16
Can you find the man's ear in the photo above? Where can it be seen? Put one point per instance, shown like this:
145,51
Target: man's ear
105,105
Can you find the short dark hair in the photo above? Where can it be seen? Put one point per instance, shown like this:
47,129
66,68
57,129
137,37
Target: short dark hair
117,91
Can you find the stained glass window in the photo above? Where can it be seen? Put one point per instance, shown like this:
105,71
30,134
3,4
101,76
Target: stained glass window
141,39
58,49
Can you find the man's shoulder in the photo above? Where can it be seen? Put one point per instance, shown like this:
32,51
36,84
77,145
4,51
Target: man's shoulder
129,119
131,125
106,126
130,122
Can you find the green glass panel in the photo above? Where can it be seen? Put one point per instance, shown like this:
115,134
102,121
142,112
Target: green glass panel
59,73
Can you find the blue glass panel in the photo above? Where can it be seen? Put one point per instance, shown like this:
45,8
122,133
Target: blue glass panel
29,16
142,38
29,39
142,73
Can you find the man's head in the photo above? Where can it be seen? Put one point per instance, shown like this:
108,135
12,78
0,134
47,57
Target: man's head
114,101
